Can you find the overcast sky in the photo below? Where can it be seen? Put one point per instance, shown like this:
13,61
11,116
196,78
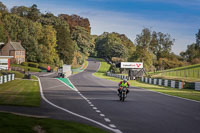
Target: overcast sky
179,18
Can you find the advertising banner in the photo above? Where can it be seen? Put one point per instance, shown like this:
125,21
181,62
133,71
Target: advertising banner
131,65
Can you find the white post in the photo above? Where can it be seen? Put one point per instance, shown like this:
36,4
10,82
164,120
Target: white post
180,85
9,77
166,83
150,80
197,86
160,82
172,84
1,79
155,81
5,78
146,79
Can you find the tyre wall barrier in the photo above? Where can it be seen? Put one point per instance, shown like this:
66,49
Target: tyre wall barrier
197,86
150,80
170,83
155,81
7,78
165,82
1,79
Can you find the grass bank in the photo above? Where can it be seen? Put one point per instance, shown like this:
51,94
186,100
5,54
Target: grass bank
32,69
189,73
103,69
10,123
184,93
20,92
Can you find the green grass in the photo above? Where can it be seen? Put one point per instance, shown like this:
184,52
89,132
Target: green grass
10,123
185,93
184,79
188,73
20,92
32,69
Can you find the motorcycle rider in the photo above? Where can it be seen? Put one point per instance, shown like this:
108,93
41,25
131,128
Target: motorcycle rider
122,84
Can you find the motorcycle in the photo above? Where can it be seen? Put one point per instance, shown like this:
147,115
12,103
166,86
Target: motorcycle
122,94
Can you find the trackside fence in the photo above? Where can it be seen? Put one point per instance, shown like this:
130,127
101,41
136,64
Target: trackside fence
117,76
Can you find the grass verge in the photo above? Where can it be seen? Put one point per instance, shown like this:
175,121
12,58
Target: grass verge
184,79
184,93
10,123
20,92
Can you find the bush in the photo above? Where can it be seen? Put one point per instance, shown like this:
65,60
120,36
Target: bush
31,64
24,63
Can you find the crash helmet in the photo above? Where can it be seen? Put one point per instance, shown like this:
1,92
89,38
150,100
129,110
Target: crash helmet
125,80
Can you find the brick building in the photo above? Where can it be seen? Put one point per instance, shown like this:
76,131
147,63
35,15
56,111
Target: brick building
14,49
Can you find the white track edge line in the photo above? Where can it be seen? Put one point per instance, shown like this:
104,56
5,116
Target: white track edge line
115,130
70,112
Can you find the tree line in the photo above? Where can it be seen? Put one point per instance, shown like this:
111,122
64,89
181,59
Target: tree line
67,39
47,38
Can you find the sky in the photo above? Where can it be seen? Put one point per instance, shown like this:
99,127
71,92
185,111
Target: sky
179,18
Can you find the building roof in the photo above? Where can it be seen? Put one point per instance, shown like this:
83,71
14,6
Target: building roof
16,45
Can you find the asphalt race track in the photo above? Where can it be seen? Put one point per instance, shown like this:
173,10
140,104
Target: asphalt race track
143,111
96,99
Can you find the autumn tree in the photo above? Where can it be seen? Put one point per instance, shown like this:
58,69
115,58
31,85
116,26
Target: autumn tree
155,45
110,45
48,46
83,40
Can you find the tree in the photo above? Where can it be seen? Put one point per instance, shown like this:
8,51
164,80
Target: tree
156,45
48,46
66,47
109,45
83,40
192,54
3,8
21,11
198,39
34,13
